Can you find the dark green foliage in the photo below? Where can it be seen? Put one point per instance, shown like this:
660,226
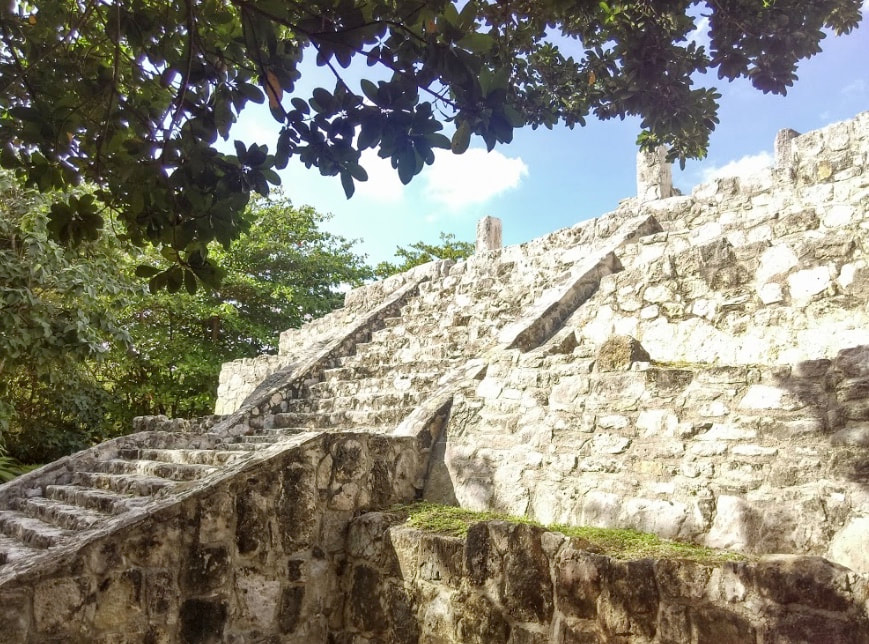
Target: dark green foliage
84,347
421,252
132,96
281,271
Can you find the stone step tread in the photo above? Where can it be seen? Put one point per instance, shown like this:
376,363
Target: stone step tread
304,430
86,497
13,550
31,531
337,384
422,329
161,469
254,438
355,371
63,515
183,456
134,484
252,446
358,402
342,418
389,353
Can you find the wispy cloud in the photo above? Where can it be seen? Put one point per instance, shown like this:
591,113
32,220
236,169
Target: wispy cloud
747,165
856,88
383,184
474,177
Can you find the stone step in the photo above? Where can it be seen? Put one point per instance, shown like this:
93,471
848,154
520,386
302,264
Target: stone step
62,515
336,387
86,497
12,550
186,456
393,370
385,352
251,446
171,471
425,325
255,438
31,531
319,420
122,483
359,402
289,431
385,355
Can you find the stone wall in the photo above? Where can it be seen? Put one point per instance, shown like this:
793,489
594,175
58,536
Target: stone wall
744,424
255,557
517,584
766,269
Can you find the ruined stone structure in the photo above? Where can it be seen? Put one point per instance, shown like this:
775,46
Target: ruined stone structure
695,366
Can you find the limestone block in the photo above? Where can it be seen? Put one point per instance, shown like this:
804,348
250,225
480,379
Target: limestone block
619,352
737,525
809,282
727,432
839,215
600,508
260,598
850,546
753,450
784,156
488,234
605,443
774,261
664,518
657,422
654,175
770,293
767,397
857,436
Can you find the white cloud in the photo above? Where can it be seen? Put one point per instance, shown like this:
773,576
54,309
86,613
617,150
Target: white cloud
700,35
471,178
855,89
746,166
383,183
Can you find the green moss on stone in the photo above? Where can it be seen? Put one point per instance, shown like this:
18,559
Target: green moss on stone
615,543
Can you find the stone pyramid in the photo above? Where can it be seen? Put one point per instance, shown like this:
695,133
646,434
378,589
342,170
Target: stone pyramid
694,366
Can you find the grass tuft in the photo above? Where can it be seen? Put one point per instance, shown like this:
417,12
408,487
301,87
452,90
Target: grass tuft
612,542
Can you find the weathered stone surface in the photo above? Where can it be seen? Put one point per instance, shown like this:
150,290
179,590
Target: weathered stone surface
590,597
264,571
740,423
488,234
619,353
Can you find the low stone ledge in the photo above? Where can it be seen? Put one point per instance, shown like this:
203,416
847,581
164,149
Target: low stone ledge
505,583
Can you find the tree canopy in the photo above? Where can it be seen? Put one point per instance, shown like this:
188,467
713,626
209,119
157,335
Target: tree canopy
421,252
133,96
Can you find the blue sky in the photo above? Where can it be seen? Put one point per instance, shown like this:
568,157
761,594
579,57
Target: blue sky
545,180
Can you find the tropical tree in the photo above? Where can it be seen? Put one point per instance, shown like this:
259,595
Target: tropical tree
133,96
84,346
283,270
59,313
420,252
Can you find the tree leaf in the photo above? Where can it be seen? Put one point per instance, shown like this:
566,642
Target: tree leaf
461,138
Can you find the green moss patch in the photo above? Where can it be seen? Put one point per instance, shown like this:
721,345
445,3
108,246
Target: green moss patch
615,543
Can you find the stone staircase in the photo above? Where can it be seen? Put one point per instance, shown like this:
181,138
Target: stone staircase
85,495
448,316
